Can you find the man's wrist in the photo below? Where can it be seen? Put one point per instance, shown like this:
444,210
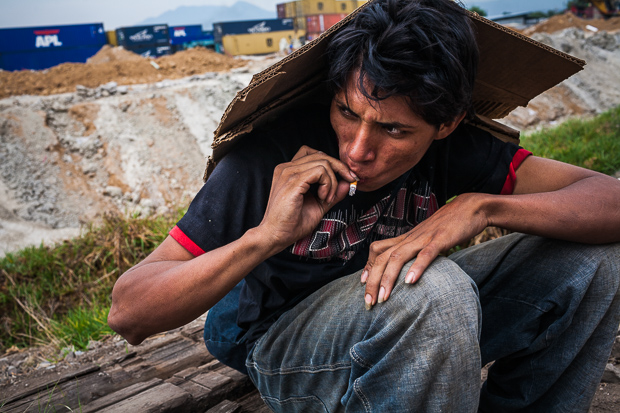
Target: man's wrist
262,244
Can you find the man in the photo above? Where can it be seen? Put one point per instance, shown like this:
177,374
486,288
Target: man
343,303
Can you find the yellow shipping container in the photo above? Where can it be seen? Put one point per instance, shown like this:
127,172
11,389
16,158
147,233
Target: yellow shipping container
347,6
111,36
291,9
300,23
317,7
257,43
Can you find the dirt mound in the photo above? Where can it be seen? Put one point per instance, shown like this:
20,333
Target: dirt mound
113,64
566,20
113,54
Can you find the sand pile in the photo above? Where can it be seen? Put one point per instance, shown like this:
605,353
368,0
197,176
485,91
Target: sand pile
114,64
568,19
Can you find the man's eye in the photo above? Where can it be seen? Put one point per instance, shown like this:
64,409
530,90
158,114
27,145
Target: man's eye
393,130
346,112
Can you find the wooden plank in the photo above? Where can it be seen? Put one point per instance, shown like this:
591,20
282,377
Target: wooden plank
212,380
48,382
163,398
118,396
68,394
225,407
139,369
187,373
211,388
176,357
253,403
195,333
183,376
232,373
154,343
117,360
212,365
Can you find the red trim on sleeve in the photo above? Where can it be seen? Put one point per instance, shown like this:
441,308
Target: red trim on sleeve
517,159
185,242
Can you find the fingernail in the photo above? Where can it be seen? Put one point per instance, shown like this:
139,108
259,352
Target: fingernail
364,277
355,176
409,277
381,295
368,300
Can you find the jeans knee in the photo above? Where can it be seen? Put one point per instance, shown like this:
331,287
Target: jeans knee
606,280
444,298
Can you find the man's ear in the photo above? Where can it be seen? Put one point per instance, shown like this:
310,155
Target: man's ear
445,129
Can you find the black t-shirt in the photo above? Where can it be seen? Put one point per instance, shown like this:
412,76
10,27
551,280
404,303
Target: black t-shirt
235,197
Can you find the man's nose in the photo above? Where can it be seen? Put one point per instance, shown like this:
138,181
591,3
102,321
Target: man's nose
361,149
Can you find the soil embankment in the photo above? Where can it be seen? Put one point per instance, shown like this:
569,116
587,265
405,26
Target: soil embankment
112,142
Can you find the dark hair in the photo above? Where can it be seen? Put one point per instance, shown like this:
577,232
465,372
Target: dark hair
425,50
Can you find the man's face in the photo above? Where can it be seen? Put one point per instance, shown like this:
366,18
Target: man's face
379,141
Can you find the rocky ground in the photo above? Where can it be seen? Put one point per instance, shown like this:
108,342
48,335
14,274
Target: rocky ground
65,159
131,134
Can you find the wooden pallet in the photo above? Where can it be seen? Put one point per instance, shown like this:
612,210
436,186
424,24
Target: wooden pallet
170,373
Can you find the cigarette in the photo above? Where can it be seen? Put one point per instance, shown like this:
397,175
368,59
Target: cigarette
352,188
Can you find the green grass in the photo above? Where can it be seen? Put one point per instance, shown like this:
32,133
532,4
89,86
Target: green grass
592,143
61,294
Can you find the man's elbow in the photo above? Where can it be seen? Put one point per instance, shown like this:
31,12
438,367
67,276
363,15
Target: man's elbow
123,327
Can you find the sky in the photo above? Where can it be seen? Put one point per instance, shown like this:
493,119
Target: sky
119,13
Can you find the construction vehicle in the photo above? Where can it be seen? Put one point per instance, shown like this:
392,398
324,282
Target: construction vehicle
609,8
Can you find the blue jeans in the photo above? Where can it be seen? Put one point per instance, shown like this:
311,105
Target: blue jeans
549,311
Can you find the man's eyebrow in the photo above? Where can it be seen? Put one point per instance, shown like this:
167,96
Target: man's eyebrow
342,103
398,125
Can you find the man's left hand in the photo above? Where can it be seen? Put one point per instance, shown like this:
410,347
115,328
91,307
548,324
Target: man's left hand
453,224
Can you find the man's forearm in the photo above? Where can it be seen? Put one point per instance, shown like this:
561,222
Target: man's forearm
585,211
158,295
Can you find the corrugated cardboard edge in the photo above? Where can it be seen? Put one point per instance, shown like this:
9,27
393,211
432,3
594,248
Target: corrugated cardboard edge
229,139
523,37
499,130
274,70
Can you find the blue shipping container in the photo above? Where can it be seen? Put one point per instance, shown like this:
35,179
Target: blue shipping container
51,37
143,36
222,29
185,34
155,51
44,59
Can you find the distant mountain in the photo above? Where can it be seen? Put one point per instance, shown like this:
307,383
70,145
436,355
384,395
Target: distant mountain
207,15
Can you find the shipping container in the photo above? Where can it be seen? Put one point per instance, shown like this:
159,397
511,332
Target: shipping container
51,37
111,36
346,6
257,43
291,9
281,10
222,29
44,59
318,23
300,23
143,36
38,48
155,51
185,34
206,41
309,7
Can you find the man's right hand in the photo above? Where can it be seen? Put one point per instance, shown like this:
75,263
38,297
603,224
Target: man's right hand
302,191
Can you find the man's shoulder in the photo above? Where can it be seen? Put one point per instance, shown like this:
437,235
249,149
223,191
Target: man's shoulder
280,137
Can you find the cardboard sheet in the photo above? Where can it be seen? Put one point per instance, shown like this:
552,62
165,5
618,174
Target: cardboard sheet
513,69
